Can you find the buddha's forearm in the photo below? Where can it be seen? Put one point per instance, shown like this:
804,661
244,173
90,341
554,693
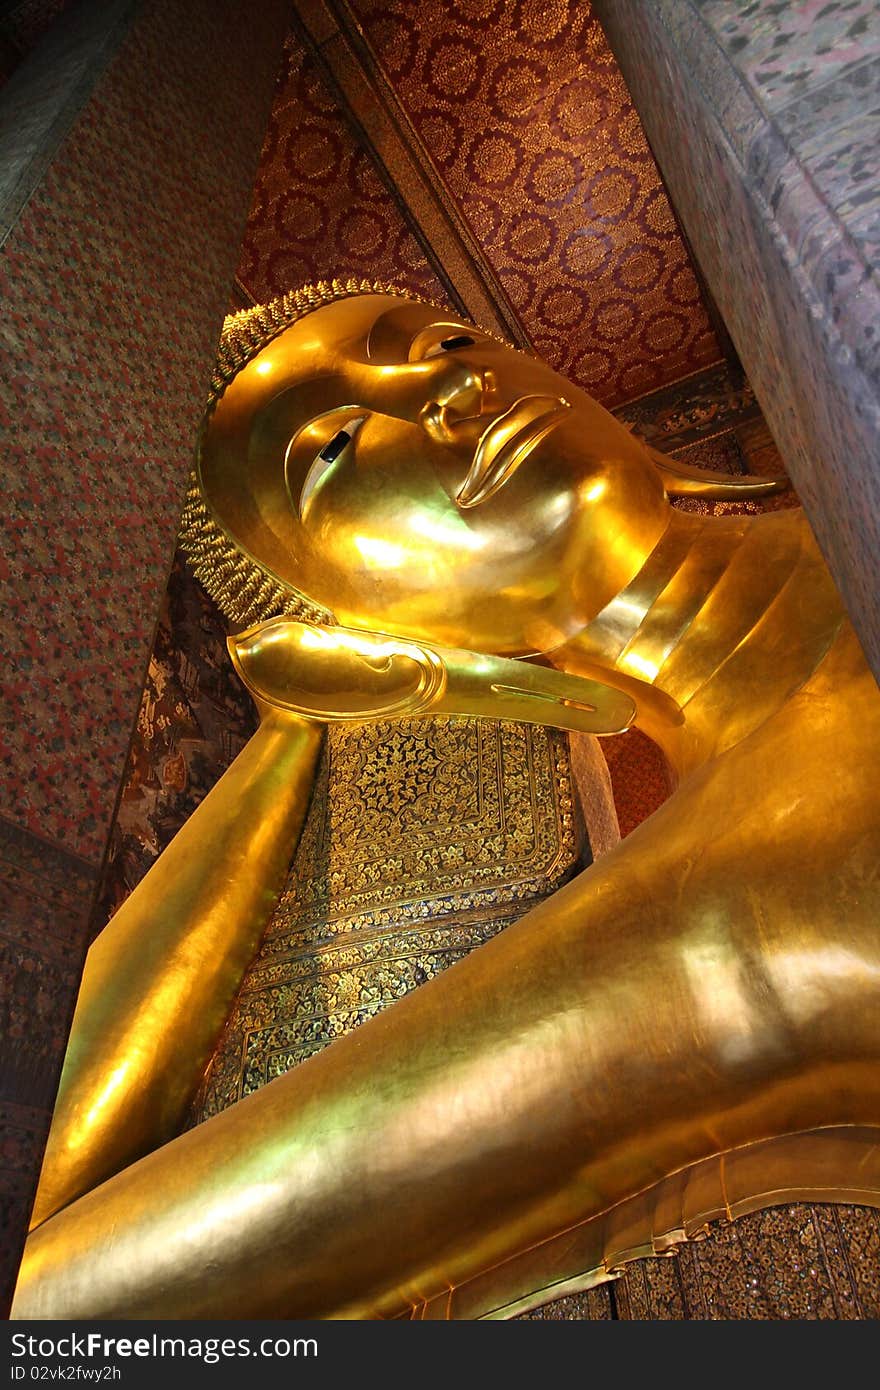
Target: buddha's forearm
159,981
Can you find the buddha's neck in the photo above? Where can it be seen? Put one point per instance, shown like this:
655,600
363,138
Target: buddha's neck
726,619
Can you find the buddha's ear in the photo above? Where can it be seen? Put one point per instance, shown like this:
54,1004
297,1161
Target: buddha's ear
683,480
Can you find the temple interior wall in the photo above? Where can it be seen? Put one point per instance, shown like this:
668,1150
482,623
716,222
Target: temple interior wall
134,144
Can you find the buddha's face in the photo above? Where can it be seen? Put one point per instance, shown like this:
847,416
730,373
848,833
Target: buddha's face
415,476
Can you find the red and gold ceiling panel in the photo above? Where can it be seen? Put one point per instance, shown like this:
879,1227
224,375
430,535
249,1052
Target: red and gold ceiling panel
529,124
320,209
520,120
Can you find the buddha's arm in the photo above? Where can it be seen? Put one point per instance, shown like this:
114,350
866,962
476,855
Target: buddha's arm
160,979
689,994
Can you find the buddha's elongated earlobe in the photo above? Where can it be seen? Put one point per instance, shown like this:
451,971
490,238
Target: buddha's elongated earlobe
683,480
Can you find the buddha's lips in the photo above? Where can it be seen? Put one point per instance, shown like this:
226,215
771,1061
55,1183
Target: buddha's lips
505,443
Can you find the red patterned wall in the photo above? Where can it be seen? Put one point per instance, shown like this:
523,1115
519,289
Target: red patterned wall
114,280
532,133
530,125
320,208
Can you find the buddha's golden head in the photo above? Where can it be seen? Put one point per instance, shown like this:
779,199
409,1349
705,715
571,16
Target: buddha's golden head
373,459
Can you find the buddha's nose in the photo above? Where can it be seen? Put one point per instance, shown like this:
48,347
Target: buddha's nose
461,402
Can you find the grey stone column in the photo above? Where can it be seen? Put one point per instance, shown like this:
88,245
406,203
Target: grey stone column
763,117
129,139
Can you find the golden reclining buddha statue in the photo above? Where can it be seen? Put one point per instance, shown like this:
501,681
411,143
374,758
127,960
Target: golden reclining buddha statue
402,516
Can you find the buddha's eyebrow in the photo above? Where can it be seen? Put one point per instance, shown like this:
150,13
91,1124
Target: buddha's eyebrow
460,340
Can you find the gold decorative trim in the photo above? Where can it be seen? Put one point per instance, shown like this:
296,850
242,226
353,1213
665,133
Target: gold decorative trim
839,1164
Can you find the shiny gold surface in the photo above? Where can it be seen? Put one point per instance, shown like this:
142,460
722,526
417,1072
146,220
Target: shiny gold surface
687,1009
472,481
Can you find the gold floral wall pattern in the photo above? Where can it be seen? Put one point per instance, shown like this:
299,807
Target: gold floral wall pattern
424,839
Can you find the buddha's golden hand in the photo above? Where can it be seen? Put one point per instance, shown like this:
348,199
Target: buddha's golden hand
330,674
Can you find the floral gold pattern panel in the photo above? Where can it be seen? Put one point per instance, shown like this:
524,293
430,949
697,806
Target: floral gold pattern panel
424,839
803,1260
525,115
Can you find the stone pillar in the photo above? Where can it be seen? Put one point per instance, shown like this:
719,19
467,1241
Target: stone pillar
763,118
130,152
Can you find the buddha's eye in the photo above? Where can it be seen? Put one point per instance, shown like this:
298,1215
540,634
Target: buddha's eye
330,453
324,460
435,339
459,340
